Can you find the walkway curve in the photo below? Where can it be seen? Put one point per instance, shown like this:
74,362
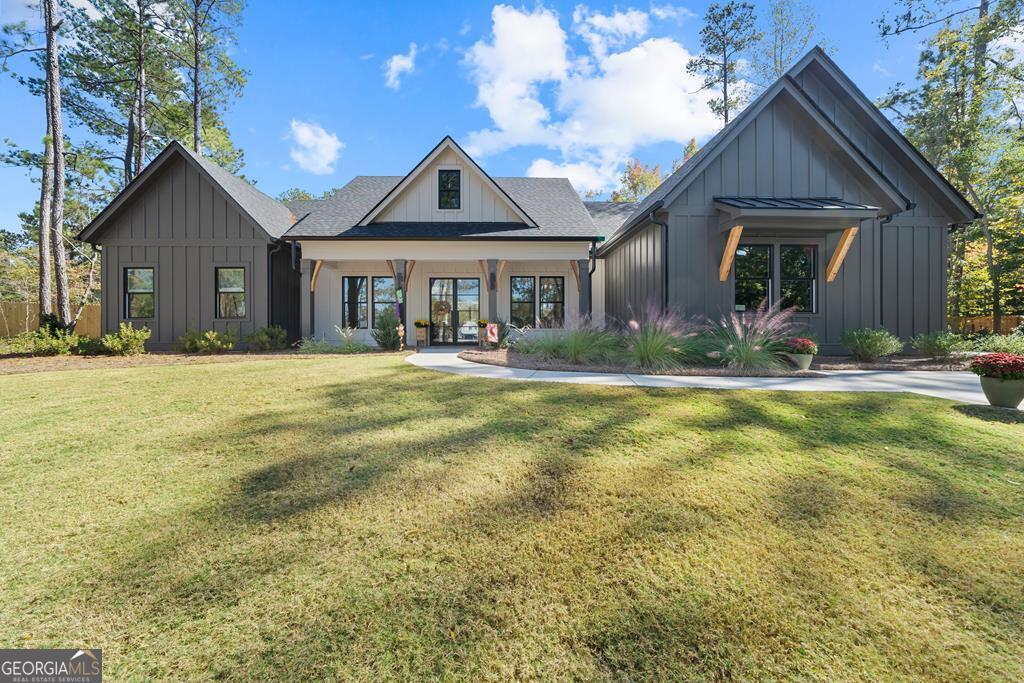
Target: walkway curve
962,387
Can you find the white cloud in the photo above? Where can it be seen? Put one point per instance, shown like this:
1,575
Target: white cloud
29,11
602,31
465,28
584,176
594,105
398,65
315,150
674,12
880,69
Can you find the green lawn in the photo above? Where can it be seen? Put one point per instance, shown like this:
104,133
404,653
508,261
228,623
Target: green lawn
359,518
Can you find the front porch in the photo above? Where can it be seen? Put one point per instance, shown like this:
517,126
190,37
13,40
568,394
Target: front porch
453,294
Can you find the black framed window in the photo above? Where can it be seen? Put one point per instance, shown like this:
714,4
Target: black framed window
230,292
139,293
552,301
523,299
385,299
753,268
354,312
449,189
798,267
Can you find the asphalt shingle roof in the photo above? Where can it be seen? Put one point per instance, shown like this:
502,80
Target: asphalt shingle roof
609,216
271,215
551,202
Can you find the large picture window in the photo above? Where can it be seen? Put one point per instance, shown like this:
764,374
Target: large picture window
524,299
753,268
384,298
798,266
354,311
230,292
449,190
139,293
552,301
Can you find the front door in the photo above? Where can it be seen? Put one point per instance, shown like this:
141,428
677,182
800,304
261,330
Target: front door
454,310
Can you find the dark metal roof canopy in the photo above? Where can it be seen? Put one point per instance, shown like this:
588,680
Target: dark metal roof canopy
821,203
799,211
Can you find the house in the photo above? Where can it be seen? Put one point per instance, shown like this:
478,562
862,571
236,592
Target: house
810,197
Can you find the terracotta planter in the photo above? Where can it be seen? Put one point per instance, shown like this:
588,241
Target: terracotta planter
1004,393
802,361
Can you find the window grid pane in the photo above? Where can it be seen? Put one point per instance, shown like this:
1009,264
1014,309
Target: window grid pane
385,299
523,299
354,311
753,280
798,265
552,301
230,292
140,299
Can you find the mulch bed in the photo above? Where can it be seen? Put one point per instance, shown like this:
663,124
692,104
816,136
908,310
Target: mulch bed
17,364
510,359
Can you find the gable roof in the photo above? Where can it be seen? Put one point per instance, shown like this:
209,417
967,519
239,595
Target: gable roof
447,143
270,215
825,64
677,182
608,216
553,203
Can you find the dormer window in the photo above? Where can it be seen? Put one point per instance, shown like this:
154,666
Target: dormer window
449,190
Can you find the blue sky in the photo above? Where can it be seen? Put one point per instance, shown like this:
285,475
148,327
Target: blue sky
336,89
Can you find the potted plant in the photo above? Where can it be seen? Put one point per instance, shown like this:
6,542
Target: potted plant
1002,378
801,351
422,338
481,326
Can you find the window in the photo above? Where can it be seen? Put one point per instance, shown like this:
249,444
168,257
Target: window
230,292
524,297
139,297
753,266
552,301
798,265
353,302
449,190
384,297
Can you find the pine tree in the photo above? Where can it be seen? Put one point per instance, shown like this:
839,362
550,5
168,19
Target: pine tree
728,33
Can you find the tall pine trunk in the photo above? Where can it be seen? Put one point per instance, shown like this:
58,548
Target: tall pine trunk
197,66
60,264
45,199
140,88
725,85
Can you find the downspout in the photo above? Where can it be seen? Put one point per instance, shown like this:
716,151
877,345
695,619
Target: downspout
270,281
591,269
664,258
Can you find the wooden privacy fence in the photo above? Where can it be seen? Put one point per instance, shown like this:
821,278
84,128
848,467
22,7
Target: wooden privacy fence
23,316
983,323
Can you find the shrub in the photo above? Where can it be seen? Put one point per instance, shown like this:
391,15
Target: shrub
938,344
272,338
385,331
999,366
349,343
999,343
801,345
127,341
590,345
868,344
544,345
209,341
755,340
47,341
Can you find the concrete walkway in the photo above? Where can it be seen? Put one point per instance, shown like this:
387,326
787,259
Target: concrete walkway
962,387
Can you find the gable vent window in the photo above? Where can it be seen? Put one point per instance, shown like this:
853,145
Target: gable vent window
449,190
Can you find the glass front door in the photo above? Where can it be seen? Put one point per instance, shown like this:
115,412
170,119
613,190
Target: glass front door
454,310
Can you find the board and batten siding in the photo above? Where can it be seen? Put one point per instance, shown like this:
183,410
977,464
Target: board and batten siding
893,275
183,227
419,201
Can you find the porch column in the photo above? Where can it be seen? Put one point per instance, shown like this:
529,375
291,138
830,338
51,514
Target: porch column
583,283
398,265
492,289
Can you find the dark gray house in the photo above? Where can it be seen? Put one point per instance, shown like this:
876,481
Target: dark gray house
810,198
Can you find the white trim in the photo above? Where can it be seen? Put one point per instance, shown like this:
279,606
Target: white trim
437,250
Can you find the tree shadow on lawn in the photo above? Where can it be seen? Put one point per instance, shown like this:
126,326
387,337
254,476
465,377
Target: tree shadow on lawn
992,414
363,443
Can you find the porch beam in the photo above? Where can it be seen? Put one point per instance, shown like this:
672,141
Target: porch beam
491,275
483,271
501,268
316,273
731,243
576,271
839,255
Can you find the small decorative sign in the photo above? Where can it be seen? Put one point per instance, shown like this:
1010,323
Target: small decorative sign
492,333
